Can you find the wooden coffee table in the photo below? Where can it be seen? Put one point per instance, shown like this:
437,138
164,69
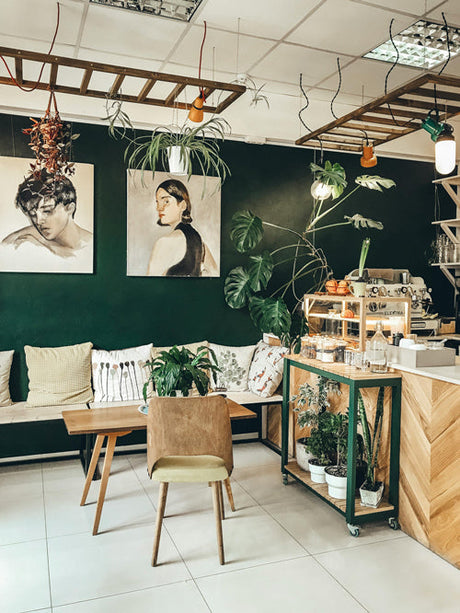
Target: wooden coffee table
112,422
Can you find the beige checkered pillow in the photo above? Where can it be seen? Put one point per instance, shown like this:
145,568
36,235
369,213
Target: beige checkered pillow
6,357
59,375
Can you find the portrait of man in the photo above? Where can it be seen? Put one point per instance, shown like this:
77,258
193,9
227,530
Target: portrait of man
173,225
50,223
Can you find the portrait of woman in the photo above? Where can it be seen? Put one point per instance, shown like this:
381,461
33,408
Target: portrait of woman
173,225
182,252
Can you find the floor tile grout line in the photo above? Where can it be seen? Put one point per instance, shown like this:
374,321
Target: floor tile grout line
360,545
46,537
341,585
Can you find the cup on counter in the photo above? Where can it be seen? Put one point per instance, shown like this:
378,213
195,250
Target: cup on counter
349,357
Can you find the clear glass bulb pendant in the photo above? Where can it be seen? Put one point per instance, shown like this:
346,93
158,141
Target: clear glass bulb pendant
378,350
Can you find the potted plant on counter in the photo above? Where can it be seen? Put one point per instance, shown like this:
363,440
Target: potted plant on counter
359,285
175,372
371,491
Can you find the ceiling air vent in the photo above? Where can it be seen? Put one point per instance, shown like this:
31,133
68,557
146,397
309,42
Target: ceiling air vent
181,10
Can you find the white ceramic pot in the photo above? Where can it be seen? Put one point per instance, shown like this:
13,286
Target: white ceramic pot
301,453
371,499
177,165
337,486
358,289
317,473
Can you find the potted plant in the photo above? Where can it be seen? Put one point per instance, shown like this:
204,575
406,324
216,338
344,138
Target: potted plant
180,147
359,285
371,491
174,372
336,475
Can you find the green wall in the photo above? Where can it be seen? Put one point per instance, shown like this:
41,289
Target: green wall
116,311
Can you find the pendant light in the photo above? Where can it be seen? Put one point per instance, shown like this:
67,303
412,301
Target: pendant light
445,150
320,190
196,110
368,159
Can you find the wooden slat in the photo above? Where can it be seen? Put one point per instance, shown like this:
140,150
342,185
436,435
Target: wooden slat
18,68
53,75
384,110
208,91
146,90
116,85
227,102
173,95
85,81
368,128
421,104
440,94
385,121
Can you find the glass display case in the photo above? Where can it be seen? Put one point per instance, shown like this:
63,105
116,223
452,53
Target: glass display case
352,320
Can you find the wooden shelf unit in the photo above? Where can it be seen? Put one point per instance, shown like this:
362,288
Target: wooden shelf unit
351,508
451,228
362,318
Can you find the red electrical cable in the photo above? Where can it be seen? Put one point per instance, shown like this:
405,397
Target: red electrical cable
201,57
25,89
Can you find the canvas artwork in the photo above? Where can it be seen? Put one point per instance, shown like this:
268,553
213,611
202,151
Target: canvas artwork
173,225
45,226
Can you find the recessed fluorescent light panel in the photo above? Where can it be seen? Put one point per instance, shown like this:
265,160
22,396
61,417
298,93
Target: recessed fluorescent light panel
181,10
423,45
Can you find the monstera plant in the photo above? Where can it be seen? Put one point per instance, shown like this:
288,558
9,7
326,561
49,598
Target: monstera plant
273,308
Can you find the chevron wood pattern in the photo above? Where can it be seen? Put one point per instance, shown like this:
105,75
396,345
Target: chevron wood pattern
429,486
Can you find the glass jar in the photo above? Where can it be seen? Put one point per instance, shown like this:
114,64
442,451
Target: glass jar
340,351
378,350
319,347
328,353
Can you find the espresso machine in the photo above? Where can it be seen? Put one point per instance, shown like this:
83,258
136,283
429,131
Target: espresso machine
393,282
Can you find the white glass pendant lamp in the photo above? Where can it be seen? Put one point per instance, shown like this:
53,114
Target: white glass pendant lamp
445,151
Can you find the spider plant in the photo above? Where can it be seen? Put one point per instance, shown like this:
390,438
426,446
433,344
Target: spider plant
119,121
197,144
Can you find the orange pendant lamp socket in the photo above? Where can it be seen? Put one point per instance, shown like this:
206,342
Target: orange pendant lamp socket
368,159
196,110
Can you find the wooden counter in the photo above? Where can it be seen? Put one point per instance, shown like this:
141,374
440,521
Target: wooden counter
429,485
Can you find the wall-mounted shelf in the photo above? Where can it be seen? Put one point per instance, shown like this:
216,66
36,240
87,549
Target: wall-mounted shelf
396,114
450,227
81,72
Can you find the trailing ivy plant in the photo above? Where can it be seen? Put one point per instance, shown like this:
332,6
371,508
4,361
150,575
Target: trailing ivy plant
252,285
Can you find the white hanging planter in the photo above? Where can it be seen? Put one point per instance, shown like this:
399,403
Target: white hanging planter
317,473
337,486
370,498
178,160
301,453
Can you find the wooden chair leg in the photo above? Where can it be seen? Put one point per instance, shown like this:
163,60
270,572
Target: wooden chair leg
159,521
220,541
228,487
221,501
92,467
111,442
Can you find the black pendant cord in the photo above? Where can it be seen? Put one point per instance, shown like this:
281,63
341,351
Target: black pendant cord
304,108
444,65
337,93
391,69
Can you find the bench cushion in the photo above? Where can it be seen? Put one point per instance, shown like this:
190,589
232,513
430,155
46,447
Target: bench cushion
6,357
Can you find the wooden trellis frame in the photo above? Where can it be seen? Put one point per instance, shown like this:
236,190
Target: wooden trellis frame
409,104
89,69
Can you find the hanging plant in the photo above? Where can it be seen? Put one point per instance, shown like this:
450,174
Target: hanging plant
119,121
51,141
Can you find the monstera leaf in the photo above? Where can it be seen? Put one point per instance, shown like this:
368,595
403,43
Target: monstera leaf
237,288
359,222
374,182
247,230
270,315
260,271
333,175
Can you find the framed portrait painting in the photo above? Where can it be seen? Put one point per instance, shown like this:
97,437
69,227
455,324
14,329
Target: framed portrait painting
46,224
173,225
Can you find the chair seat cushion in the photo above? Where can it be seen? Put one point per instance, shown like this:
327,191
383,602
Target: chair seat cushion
196,468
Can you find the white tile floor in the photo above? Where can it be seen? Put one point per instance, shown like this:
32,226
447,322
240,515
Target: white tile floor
285,549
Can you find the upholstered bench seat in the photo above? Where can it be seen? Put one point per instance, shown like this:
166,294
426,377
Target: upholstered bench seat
20,412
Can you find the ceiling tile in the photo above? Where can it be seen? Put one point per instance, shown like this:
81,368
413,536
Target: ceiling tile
225,44
269,18
342,26
104,57
287,61
415,7
370,74
451,10
36,19
123,32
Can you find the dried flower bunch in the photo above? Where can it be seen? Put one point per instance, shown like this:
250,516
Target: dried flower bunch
51,141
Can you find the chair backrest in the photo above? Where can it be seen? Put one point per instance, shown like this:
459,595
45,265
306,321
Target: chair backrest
189,426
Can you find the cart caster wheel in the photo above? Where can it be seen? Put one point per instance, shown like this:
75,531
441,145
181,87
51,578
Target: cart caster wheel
354,530
393,523
285,479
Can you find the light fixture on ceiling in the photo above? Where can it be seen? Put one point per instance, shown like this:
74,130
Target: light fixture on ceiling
421,45
368,159
181,10
445,150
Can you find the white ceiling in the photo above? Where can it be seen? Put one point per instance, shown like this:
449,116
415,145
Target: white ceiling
277,41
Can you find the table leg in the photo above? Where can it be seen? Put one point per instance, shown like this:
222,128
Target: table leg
92,466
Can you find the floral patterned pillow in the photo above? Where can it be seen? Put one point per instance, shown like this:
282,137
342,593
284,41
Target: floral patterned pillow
234,365
266,369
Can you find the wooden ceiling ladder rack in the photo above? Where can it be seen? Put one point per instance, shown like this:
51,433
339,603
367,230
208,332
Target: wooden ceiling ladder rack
409,105
89,69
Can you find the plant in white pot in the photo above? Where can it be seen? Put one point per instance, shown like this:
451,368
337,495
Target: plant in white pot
371,491
180,147
336,475
358,286
175,372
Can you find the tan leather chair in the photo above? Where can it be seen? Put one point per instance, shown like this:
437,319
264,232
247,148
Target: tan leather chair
189,440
